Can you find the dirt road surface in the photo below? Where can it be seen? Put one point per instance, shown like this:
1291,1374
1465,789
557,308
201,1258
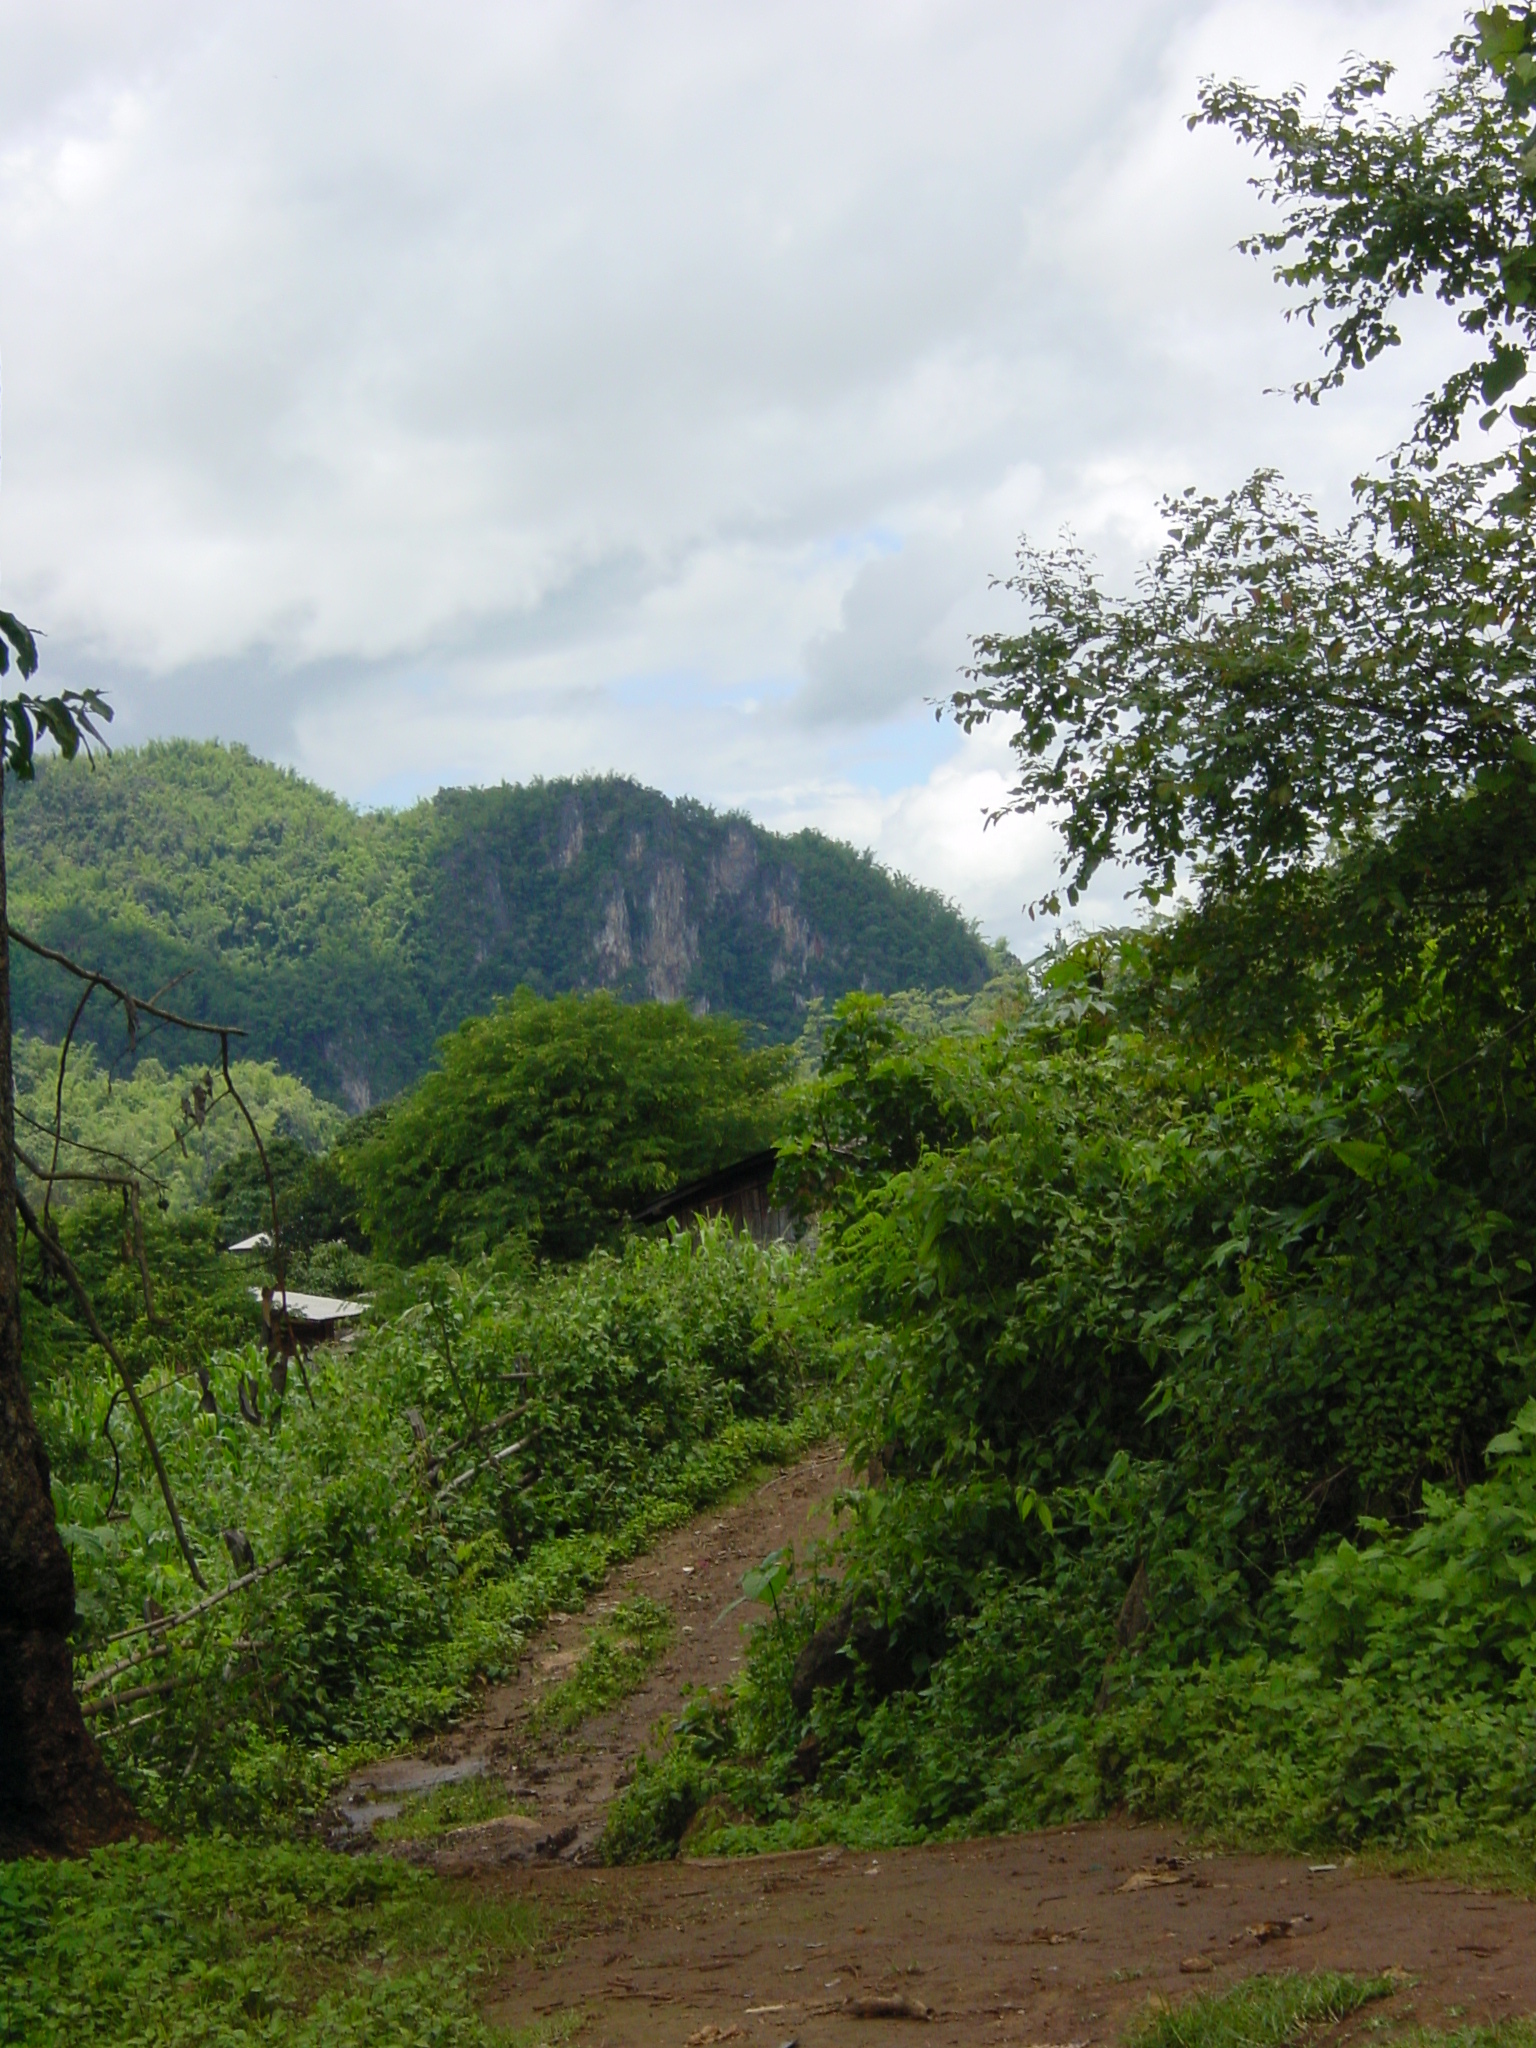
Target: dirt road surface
1054,1940
561,1787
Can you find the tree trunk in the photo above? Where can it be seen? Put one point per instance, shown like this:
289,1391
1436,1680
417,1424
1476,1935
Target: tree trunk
57,1796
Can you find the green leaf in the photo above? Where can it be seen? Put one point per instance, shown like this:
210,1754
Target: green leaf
1361,1157
1502,373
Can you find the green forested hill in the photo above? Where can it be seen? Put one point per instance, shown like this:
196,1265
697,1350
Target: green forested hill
347,943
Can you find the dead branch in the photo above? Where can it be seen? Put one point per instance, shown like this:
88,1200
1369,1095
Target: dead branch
122,1727
130,1187
163,1623
98,1151
97,1679
113,1700
496,1458
58,1094
117,1463
66,1266
133,1006
496,1422
48,1175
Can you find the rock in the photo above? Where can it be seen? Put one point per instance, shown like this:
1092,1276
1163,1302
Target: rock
852,1640
894,2005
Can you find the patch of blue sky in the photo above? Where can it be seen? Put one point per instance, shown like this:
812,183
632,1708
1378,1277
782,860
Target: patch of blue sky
688,690
892,757
863,545
398,792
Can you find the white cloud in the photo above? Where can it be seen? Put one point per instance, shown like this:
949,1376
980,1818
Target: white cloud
426,394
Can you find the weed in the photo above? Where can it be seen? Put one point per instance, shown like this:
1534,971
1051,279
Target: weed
221,1943
622,1650
1266,2012
456,1805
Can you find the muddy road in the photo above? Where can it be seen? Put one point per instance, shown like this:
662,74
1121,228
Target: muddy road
1054,1940
560,1786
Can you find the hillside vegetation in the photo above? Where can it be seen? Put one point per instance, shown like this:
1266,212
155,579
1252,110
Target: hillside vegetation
347,944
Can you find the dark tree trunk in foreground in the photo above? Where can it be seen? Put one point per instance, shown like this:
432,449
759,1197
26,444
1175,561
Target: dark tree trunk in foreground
57,1796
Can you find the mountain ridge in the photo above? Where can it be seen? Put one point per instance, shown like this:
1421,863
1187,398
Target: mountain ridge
347,942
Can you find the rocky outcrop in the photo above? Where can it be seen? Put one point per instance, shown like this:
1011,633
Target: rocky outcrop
671,942
573,836
798,944
732,867
614,953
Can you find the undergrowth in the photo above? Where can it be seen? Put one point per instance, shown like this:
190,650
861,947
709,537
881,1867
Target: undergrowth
623,1647
1264,2012
224,1944
489,1451
1288,2010
1204,1449
455,1805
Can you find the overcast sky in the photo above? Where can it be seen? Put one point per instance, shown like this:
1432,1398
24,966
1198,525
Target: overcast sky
431,394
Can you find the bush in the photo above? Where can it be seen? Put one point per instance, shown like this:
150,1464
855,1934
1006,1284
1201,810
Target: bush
481,1457
558,1119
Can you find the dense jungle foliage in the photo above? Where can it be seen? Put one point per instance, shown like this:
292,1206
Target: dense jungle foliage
174,1124
1176,1297
346,944
1197,1397
1187,1314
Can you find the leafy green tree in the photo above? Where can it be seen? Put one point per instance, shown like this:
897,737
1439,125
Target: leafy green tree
1330,736
1139,1321
316,1202
1377,210
559,1119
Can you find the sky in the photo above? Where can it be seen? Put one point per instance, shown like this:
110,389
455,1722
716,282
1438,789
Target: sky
432,395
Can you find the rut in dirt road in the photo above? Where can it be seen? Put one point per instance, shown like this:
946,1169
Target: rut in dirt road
560,1786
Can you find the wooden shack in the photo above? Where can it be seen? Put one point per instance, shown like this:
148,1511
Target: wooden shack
304,1319
741,1192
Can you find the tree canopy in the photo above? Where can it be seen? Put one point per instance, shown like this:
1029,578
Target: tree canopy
1329,736
1377,210
559,1118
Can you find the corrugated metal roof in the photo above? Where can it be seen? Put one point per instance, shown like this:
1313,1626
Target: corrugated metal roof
314,1308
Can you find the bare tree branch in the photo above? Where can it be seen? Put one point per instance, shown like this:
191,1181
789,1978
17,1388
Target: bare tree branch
134,1006
164,1622
58,1094
66,1266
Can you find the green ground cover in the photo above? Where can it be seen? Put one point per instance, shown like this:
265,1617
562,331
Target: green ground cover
623,1647
225,1945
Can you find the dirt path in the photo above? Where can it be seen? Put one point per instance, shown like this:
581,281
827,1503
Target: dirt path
1053,1940
561,1787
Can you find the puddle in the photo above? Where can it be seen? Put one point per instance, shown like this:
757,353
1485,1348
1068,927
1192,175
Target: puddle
361,1807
